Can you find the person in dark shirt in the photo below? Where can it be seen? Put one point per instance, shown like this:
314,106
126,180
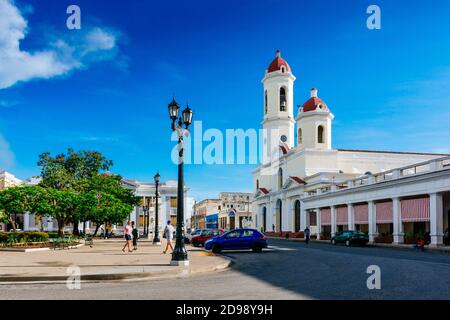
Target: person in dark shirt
135,234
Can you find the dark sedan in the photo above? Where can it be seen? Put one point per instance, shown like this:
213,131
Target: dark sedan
350,237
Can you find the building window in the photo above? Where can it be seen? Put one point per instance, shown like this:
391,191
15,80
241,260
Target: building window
265,102
320,134
299,136
282,99
280,178
257,184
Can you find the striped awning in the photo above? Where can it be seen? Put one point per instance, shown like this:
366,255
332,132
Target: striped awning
415,210
341,216
361,214
325,217
384,212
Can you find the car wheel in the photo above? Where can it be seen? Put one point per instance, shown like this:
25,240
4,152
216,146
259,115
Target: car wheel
333,242
195,243
216,248
347,243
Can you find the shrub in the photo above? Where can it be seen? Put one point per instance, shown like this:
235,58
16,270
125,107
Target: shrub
53,234
3,237
23,237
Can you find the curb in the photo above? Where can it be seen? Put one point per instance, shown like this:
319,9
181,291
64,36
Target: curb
38,249
177,272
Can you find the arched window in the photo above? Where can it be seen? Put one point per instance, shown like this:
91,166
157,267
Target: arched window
283,102
320,134
299,136
280,178
265,102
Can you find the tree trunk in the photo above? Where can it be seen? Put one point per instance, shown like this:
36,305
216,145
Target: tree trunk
97,226
60,228
13,223
75,231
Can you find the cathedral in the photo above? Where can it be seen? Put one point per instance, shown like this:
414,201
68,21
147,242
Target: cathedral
303,181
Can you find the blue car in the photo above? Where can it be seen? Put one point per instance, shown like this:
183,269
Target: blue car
237,239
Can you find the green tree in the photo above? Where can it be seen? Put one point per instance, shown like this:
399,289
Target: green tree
72,172
110,202
13,201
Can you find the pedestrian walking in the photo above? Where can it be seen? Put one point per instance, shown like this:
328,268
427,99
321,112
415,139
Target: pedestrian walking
135,234
307,234
273,227
127,233
168,235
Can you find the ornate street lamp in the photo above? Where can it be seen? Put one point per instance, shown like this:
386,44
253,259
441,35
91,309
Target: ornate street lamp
179,255
156,237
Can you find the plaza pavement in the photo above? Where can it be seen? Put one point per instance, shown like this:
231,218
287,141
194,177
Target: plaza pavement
104,261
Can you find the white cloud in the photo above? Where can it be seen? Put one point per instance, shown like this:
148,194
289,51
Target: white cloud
61,56
6,155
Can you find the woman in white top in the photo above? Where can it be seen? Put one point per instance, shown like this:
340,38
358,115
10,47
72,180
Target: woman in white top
168,234
127,233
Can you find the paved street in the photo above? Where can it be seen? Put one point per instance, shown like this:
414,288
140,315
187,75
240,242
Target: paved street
289,270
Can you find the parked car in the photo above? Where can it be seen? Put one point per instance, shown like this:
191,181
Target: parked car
350,237
17,230
188,236
238,239
200,239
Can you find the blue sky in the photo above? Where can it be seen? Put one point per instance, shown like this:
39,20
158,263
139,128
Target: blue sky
106,87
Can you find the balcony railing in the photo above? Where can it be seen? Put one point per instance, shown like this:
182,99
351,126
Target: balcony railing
412,170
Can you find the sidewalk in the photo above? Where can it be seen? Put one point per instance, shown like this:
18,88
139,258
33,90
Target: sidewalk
105,261
443,249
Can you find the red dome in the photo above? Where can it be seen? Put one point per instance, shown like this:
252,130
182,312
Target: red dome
277,63
314,102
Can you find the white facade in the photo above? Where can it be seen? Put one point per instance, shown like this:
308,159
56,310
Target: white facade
311,163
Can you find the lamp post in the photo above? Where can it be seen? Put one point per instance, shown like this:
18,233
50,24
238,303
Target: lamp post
146,208
156,237
179,255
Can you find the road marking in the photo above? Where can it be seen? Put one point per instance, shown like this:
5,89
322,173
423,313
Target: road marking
276,248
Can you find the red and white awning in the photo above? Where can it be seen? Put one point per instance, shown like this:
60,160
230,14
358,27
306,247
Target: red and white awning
416,210
361,214
325,217
341,216
384,211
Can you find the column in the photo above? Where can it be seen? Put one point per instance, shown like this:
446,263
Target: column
319,223
333,220
397,220
436,219
26,221
351,216
372,221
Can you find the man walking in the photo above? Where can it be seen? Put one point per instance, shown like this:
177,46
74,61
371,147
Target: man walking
168,235
307,234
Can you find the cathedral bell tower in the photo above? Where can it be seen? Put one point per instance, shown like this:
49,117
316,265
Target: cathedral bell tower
278,123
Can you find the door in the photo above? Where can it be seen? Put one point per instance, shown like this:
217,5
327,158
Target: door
297,216
279,216
247,239
232,240
264,219
232,223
